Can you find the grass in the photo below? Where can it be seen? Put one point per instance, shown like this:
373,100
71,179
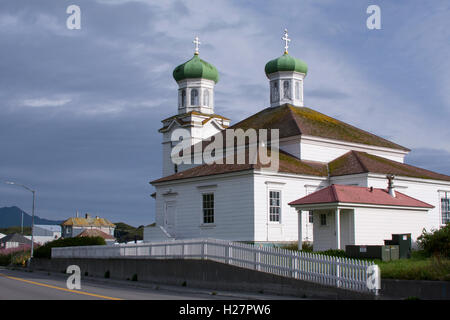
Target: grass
419,267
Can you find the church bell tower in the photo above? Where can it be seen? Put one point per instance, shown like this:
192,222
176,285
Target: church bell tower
196,80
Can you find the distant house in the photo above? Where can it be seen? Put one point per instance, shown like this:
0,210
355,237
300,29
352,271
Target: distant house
14,240
109,239
45,233
73,226
2,235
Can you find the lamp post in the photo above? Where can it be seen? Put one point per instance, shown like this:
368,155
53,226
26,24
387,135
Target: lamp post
32,214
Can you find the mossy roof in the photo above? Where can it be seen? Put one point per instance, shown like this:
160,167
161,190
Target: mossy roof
292,121
88,222
287,164
354,162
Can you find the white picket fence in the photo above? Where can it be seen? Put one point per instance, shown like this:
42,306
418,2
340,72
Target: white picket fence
345,273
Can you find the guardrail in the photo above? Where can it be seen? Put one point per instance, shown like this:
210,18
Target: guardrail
344,273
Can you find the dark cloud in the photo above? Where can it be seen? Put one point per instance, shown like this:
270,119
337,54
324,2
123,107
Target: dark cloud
80,109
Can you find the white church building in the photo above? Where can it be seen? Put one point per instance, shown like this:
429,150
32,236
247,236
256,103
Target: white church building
335,184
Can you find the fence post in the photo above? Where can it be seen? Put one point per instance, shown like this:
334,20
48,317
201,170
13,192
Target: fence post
338,272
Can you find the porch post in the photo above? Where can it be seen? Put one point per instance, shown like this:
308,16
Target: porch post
300,231
338,228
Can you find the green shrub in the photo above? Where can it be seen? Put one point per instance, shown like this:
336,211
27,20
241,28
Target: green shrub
436,242
134,278
5,259
307,246
107,274
45,251
333,252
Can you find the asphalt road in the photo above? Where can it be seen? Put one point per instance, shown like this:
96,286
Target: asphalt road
22,285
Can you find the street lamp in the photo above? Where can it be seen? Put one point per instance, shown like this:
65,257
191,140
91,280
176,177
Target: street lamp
32,214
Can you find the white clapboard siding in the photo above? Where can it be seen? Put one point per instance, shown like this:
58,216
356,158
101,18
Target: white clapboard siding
233,207
292,188
422,189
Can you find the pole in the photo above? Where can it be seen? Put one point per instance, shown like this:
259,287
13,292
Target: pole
32,224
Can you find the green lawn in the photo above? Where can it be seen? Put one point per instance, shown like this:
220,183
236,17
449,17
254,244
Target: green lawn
419,267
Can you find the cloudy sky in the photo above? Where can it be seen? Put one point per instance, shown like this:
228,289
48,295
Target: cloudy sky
80,109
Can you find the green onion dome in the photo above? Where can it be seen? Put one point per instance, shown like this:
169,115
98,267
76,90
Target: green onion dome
286,63
196,68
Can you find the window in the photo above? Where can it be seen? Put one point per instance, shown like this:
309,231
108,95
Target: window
175,168
194,97
445,210
311,217
208,208
323,219
183,98
274,206
297,90
274,92
206,98
286,89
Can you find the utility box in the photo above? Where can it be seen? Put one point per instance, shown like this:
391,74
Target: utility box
403,240
384,253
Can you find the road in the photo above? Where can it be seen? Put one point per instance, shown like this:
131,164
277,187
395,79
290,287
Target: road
22,285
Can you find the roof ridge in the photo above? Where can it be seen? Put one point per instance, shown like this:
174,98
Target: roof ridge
333,190
356,154
294,117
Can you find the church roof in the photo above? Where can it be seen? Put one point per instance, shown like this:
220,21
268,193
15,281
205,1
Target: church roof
292,121
287,164
353,194
354,162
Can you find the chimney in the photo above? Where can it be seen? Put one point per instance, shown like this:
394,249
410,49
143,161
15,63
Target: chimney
391,185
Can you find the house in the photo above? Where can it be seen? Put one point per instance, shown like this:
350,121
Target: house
14,240
2,235
109,239
45,233
353,215
75,225
258,203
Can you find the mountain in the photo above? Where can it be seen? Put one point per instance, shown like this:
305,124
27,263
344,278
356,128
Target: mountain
12,216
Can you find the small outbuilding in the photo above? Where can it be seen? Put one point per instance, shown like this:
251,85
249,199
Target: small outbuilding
352,215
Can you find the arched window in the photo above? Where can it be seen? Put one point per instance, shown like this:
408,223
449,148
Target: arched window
194,97
206,97
183,98
274,92
297,90
286,90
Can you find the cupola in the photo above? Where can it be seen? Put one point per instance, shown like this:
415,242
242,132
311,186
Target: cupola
286,75
196,79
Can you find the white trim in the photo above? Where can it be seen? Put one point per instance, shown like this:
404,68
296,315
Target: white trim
410,179
352,144
341,205
269,190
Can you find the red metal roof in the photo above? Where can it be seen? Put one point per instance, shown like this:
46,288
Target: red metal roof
354,194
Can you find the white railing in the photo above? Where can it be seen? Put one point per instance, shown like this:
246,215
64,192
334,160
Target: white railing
332,271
